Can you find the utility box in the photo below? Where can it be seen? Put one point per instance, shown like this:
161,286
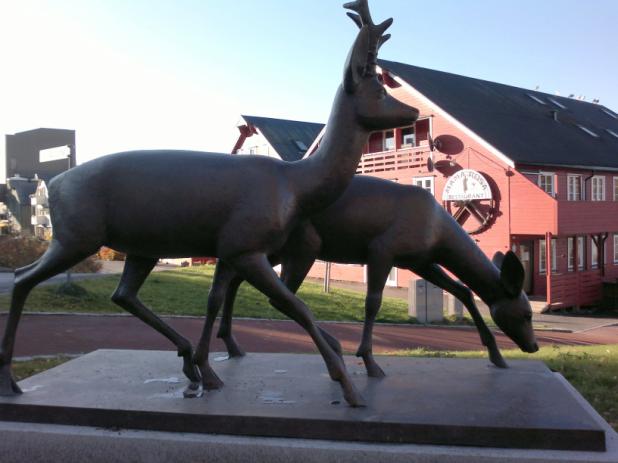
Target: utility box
453,305
425,301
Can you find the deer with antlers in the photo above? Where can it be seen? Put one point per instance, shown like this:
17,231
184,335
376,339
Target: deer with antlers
239,209
383,224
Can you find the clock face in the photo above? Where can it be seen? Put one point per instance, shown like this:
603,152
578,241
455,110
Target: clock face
468,197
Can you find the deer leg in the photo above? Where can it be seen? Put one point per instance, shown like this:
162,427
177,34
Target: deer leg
377,274
225,326
56,259
294,271
438,277
256,269
136,270
221,282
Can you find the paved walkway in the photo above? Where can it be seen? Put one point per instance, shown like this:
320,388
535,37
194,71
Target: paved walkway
76,334
550,321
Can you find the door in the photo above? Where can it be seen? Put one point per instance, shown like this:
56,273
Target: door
525,255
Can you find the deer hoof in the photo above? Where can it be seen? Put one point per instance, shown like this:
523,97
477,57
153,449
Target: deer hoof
497,360
374,371
8,386
210,380
354,399
233,349
193,390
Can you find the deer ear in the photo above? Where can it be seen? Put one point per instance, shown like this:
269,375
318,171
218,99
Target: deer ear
512,274
357,61
497,259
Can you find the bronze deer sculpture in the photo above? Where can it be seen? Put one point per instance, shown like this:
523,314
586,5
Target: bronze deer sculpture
384,224
239,209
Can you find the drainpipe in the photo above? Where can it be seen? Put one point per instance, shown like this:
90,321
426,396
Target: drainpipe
548,266
584,185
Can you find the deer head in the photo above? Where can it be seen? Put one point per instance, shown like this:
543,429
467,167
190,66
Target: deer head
375,108
512,312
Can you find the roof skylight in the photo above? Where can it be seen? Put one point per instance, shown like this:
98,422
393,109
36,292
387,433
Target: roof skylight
300,145
609,113
557,103
588,131
536,98
612,133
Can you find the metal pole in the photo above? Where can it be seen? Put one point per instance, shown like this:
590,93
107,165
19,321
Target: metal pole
327,277
70,158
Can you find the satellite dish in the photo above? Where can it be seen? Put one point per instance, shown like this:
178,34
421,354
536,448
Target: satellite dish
435,144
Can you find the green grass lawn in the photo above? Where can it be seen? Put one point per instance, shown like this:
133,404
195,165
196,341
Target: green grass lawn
184,292
593,370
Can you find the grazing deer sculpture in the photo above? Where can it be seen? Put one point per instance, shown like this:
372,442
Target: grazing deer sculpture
384,224
239,209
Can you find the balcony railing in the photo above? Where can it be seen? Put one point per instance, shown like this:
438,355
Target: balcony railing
404,158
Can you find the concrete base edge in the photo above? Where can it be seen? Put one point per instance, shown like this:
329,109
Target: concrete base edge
23,442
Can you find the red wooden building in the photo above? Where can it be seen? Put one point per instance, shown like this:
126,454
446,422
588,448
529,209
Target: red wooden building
520,169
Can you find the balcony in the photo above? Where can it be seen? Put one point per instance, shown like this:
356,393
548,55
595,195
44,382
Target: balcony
404,158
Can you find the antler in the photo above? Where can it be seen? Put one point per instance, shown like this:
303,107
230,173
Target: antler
362,18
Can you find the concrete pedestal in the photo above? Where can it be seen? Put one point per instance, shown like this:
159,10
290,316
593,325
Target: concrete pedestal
114,405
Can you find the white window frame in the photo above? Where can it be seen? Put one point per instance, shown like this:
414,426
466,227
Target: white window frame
431,189
594,255
570,193
581,252
615,248
554,263
550,175
408,145
615,185
593,189
384,147
571,253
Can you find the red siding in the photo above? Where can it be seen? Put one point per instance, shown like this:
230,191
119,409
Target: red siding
524,211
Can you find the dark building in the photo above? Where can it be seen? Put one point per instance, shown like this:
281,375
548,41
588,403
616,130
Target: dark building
23,153
31,157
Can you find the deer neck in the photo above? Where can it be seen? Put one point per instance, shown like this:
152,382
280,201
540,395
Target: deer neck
320,179
468,263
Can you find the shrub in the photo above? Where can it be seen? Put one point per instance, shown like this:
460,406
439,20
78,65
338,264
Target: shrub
19,251
109,254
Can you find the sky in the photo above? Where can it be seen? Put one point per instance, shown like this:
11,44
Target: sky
145,74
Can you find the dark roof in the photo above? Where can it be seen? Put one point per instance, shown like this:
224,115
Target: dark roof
517,125
283,135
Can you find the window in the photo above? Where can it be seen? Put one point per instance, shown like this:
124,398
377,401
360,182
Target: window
542,256
546,182
557,103
609,113
535,98
301,145
598,188
389,140
615,248
426,183
594,255
615,188
408,137
588,131
581,252
571,253
574,187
